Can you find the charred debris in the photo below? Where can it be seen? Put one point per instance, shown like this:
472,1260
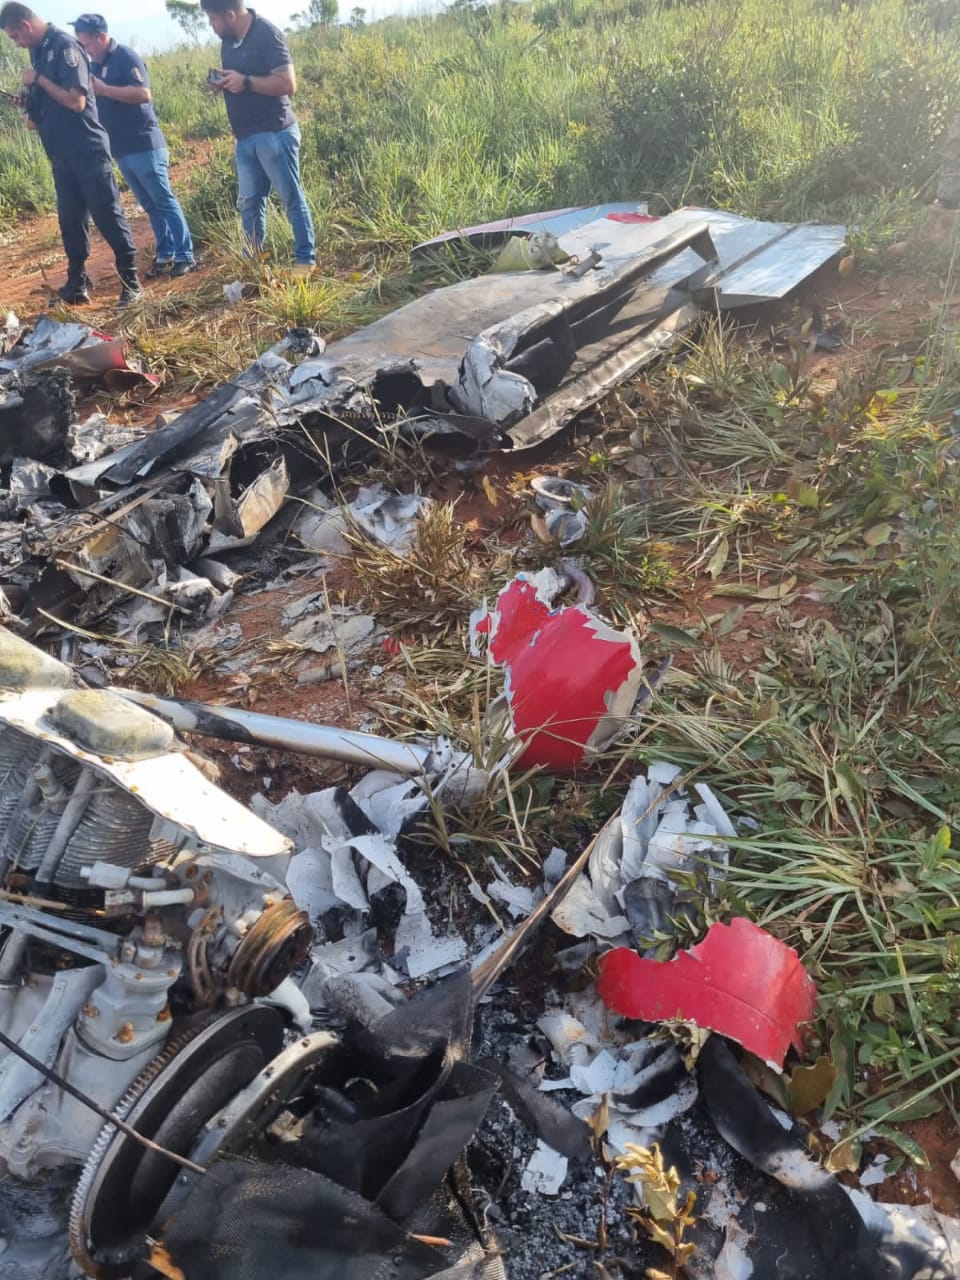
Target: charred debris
501,361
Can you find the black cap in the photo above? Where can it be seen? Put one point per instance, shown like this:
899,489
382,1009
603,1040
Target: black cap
89,23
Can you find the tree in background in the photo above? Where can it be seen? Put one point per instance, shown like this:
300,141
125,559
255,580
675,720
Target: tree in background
189,17
318,13
358,18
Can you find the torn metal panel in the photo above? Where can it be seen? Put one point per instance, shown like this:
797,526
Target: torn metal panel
89,440
556,221
570,680
48,340
740,981
256,506
462,338
230,408
764,269
598,379
527,351
81,351
757,261
168,444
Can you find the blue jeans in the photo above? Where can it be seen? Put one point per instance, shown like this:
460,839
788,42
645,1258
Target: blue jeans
147,175
272,160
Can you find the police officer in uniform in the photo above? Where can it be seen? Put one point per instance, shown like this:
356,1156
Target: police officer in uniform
61,105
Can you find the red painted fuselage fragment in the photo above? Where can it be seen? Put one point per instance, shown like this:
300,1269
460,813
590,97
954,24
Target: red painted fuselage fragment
571,680
739,981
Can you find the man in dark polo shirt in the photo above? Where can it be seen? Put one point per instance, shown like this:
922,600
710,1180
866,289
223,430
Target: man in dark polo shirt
60,105
124,101
257,83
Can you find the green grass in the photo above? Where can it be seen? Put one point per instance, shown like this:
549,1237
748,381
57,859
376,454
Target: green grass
842,739
415,125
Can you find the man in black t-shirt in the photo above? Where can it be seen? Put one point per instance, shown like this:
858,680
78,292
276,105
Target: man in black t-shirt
60,105
257,82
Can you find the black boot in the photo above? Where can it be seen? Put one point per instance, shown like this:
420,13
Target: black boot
76,292
131,289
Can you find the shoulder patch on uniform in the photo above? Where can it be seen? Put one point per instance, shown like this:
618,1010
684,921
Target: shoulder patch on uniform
71,57
137,74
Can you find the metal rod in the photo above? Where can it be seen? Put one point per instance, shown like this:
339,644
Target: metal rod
49,1074
28,900
70,818
121,586
262,730
24,917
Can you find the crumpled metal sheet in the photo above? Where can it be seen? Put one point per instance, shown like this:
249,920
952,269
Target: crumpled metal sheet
570,680
211,479
740,980
491,347
504,360
82,351
756,261
556,221
526,351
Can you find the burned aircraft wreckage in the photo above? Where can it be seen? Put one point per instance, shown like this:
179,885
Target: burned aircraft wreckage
503,361
148,940
135,899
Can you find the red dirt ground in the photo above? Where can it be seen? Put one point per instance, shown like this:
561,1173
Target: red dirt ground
33,266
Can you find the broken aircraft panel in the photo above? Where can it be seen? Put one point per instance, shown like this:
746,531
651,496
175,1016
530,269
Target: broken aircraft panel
492,346
556,221
505,360
527,351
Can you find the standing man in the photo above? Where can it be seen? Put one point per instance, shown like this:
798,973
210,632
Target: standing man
60,104
124,101
257,81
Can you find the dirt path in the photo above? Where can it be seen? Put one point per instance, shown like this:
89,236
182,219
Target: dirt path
33,266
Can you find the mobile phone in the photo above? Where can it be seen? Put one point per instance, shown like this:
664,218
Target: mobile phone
214,75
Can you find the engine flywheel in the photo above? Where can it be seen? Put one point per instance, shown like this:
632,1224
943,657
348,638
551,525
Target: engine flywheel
123,1184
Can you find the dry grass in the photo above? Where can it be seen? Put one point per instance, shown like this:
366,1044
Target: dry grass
429,590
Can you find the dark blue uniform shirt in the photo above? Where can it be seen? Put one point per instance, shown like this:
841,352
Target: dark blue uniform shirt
132,126
65,133
262,50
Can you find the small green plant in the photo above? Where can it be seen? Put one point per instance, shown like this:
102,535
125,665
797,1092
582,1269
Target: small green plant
314,302
625,562
430,588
